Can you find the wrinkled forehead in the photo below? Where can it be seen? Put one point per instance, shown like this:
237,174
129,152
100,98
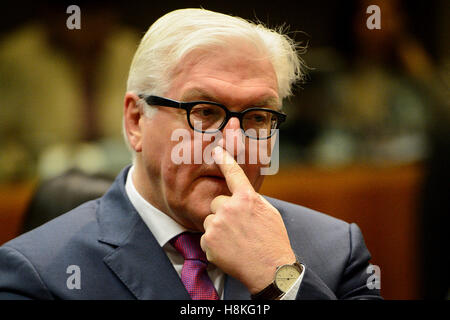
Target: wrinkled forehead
239,69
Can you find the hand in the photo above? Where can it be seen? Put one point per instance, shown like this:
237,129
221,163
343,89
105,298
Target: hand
245,235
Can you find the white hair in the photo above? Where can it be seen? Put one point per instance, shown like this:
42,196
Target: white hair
178,32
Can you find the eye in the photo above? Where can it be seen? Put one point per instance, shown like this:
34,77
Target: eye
257,117
207,111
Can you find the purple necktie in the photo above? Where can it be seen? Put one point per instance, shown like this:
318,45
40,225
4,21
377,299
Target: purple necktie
193,274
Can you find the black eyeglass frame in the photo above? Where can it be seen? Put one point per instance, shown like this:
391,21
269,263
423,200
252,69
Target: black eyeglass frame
187,106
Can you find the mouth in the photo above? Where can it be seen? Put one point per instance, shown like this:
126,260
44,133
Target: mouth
210,173
214,182
216,177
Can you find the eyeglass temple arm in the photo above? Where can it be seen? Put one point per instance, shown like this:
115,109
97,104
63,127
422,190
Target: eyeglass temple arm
159,101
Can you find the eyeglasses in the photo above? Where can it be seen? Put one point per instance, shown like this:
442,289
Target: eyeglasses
211,117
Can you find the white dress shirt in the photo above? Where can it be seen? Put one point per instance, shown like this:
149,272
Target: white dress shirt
164,228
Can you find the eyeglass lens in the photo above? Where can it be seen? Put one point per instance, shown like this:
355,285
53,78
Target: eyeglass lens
210,118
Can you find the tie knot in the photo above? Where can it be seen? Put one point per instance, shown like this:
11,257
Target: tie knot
188,245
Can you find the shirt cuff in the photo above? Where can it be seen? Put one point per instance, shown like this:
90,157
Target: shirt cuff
291,294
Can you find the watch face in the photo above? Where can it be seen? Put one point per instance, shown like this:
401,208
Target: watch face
286,277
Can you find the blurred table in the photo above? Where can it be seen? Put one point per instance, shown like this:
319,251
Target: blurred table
383,201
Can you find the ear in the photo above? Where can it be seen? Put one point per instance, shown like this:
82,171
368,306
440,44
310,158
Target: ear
132,115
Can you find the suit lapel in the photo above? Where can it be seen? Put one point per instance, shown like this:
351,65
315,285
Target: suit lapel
143,266
137,260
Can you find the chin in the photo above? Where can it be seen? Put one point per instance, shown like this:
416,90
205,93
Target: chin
196,215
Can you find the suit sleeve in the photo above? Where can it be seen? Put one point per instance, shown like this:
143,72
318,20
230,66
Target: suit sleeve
353,282
18,278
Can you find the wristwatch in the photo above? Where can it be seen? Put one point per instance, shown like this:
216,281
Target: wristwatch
285,277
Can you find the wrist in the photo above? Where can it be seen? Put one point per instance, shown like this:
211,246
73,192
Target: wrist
266,274
285,277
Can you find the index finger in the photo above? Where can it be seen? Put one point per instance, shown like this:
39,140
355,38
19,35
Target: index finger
234,175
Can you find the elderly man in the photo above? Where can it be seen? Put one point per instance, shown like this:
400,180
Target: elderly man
197,228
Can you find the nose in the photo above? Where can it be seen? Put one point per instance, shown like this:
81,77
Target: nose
233,140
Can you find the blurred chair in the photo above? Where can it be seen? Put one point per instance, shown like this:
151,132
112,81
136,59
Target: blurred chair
60,194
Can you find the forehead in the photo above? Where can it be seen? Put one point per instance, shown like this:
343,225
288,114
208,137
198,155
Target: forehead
234,75
198,93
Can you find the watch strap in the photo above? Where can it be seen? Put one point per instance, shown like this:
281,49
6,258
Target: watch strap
271,292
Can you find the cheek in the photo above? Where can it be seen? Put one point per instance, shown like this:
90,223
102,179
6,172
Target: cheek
152,149
177,167
157,147
258,156
253,172
259,151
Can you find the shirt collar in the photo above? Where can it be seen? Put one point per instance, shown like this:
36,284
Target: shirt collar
160,224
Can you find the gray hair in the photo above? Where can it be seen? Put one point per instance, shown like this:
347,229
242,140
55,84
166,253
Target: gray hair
178,32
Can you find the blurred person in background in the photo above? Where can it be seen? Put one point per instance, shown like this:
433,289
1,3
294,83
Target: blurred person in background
61,194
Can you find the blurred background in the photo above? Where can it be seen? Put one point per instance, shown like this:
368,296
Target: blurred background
366,139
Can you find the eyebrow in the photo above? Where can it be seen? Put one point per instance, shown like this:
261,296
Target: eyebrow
200,94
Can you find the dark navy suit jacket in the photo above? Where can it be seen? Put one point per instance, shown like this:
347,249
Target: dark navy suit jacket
118,257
